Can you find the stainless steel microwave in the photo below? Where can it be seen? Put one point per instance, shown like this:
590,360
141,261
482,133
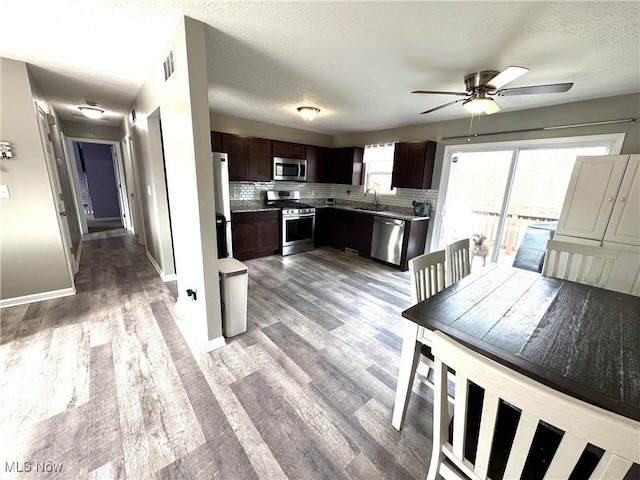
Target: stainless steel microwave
289,169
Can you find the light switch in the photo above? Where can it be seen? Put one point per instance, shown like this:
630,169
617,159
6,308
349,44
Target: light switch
4,191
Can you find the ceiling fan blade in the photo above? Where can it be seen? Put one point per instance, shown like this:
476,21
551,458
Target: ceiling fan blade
442,106
492,108
464,94
509,74
552,88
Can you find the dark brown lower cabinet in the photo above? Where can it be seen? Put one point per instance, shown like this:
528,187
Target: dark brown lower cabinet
349,230
255,234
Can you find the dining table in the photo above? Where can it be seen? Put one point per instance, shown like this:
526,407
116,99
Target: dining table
578,339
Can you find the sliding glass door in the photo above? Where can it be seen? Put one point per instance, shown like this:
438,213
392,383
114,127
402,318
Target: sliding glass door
506,197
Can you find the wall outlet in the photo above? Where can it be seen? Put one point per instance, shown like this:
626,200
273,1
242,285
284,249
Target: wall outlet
4,191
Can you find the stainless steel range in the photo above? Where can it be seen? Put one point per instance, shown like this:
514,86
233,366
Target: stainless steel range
298,220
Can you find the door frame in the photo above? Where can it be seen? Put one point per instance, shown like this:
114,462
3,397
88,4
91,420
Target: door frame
615,141
56,191
121,184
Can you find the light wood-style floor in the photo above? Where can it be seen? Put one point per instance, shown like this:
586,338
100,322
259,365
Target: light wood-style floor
110,383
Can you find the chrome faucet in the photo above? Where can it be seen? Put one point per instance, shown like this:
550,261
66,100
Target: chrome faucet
375,197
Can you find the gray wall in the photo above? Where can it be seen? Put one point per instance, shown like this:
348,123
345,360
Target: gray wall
91,130
183,105
602,109
32,259
251,128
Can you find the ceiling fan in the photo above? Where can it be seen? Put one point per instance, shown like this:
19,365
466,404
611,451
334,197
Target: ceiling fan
483,85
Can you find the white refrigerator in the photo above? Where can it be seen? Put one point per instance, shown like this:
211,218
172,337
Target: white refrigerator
221,192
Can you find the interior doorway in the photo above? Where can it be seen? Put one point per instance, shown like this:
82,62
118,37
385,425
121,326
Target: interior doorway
506,197
100,190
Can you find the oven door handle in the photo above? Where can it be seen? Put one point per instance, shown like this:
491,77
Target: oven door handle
298,217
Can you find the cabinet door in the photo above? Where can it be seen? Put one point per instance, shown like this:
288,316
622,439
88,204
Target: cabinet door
400,160
244,240
296,151
592,191
312,155
216,142
364,230
624,226
259,159
414,167
268,236
235,147
280,149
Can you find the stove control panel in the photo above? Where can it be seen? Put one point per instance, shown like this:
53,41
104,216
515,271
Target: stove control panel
298,211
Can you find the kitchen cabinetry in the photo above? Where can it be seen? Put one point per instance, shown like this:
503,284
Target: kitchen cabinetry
413,164
318,168
259,159
602,208
216,142
346,165
351,230
249,158
287,150
603,200
255,234
323,225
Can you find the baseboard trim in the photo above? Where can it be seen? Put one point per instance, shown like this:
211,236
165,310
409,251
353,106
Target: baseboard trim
214,344
163,276
37,297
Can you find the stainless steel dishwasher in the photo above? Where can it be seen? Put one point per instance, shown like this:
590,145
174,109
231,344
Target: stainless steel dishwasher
386,241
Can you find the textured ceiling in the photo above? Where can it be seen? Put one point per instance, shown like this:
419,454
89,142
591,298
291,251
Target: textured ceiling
356,61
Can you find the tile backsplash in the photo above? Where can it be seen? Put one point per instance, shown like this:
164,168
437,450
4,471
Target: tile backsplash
312,192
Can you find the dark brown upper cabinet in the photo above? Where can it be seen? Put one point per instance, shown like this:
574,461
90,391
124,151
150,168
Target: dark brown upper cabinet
236,148
259,159
216,142
346,165
287,150
318,164
413,164
249,158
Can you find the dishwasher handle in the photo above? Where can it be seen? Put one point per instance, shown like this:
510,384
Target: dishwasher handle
389,221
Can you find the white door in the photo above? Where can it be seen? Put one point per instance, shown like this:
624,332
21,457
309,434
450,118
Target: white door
125,215
624,226
591,195
47,145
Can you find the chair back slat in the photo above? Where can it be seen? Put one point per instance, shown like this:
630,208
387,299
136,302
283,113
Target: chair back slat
579,423
579,263
525,432
458,260
427,275
566,456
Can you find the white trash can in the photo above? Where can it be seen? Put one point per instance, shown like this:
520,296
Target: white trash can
234,285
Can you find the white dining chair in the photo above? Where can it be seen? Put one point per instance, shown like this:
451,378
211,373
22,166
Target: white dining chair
581,424
427,278
579,263
458,260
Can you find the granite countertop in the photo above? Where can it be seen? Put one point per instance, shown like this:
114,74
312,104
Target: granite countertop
383,211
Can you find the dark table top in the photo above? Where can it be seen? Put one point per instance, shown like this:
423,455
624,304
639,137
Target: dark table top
578,339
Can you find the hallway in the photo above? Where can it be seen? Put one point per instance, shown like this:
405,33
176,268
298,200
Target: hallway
110,383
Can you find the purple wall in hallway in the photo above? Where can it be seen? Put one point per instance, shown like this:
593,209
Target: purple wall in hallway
101,178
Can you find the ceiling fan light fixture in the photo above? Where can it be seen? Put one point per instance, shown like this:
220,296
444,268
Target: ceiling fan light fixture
93,113
308,113
478,104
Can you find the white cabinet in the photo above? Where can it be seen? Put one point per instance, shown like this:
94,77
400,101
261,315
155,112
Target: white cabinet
624,225
603,200
602,208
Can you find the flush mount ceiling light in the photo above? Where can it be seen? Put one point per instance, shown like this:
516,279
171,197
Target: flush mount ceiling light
308,113
91,112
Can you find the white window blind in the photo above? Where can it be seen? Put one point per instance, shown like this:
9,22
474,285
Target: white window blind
378,160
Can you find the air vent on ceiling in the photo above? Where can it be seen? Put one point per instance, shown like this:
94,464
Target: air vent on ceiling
132,115
169,66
